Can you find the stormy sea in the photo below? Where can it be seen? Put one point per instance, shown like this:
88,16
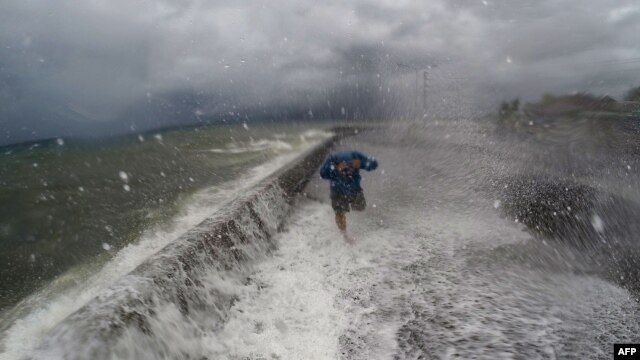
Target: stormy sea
474,244
77,214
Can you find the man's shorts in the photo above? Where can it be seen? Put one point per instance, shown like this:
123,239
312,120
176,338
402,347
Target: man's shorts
342,203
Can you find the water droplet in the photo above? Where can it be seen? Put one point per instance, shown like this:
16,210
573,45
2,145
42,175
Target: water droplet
123,176
597,223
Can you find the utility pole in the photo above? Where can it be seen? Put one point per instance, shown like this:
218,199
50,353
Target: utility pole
416,89
416,103
425,79
425,83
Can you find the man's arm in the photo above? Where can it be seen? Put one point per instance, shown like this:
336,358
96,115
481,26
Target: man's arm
366,162
328,169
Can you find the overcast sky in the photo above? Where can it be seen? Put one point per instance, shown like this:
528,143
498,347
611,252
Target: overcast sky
77,67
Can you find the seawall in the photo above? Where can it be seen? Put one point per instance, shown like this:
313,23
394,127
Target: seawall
183,279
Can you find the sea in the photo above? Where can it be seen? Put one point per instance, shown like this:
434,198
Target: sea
77,214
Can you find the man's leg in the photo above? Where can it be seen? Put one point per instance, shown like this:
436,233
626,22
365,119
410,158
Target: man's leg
358,203
341,221
340,205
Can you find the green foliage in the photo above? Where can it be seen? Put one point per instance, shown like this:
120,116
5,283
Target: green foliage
570,105
633,94
509,116
508,109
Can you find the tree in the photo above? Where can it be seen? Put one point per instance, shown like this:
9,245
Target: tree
509,109
633,94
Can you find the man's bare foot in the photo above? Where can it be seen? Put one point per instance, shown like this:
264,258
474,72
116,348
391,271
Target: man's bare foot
348,239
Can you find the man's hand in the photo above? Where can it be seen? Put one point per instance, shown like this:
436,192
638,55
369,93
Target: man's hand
355,163
342,166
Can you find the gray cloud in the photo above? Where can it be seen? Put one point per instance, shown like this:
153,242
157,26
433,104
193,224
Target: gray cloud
95,67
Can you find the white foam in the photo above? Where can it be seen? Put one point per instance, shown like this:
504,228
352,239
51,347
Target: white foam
287,311
319,298
40,312
299,302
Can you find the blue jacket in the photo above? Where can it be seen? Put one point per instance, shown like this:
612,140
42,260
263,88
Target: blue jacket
348,183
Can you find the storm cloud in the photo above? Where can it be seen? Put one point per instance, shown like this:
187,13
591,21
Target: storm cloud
101,67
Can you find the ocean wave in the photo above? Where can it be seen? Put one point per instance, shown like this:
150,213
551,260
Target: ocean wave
317,134
255,146
281,143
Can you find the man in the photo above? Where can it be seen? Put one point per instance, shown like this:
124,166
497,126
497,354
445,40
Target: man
343,170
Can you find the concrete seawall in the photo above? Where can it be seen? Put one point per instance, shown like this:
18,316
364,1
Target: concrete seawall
178,277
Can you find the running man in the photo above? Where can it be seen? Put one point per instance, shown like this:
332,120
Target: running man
343,170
